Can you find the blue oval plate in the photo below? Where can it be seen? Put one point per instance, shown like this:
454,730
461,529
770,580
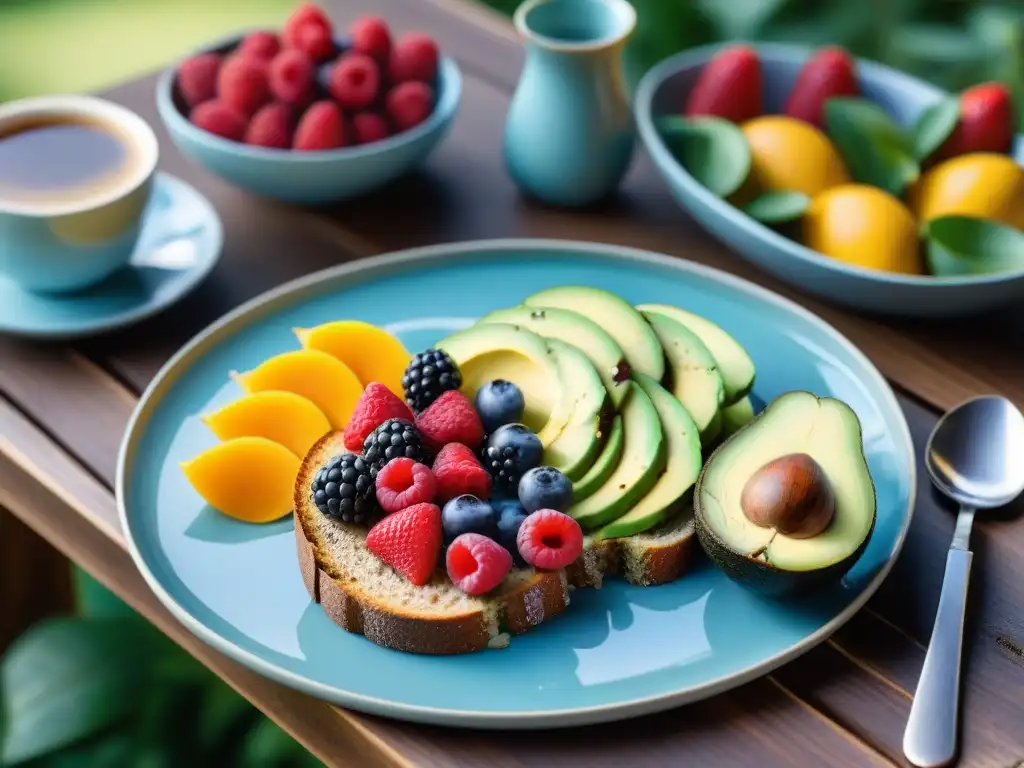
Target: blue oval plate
179,245
616,653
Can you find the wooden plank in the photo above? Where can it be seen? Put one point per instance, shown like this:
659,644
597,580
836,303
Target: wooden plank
69,522
463,193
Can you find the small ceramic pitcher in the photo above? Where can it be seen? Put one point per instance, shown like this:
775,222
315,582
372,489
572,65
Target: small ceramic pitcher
569,135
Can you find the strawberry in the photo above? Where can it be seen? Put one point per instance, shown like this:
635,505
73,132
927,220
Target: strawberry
457,470
986,122
826,74
409,541
729,86
376,405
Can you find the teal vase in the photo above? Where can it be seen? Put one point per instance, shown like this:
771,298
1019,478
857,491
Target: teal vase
569,134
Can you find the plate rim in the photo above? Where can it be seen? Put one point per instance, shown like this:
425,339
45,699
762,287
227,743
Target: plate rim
192,350
145,311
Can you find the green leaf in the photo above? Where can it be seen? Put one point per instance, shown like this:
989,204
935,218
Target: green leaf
778,207
113,750
962,245
93,600
67,679
875,149
934,126
269,746
224,717
714,151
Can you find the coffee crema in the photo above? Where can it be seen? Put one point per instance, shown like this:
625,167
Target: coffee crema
55,160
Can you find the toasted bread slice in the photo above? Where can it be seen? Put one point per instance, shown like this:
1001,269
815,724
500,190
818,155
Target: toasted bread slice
365,596
658,556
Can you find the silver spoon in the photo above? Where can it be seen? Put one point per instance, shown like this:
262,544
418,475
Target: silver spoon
975,456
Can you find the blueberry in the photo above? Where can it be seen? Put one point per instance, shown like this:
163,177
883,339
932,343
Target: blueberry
545,488
499,402
510,451
323,76
510,516
468,514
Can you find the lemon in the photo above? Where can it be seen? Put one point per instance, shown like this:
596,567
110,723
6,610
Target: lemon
985,185
864,226
789,154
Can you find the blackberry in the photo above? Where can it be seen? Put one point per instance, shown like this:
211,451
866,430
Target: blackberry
428,375
391,440
510,451
344,489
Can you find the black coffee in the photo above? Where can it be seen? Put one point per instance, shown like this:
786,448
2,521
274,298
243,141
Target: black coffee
61,159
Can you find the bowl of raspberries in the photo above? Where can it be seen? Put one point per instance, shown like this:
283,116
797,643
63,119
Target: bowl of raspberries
310,113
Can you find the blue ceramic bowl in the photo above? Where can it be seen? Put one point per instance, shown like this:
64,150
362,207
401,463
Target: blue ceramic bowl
663,90
310,177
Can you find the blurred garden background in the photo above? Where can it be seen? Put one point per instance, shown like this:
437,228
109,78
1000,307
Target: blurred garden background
95,685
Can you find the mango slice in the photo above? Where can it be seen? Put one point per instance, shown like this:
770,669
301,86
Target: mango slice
284,417
248,478
315,375
372,353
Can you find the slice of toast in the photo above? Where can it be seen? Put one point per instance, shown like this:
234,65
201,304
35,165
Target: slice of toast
365,596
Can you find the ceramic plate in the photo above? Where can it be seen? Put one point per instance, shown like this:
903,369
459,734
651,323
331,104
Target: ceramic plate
180,243
618,652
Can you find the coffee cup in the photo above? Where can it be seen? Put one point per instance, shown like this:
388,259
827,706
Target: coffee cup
76,176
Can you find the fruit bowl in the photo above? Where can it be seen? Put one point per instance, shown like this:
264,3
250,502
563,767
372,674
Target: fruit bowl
664,91
308,177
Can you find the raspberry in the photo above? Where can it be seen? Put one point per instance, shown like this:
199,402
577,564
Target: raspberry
292,77
458,472
450,419
414,57
309,30
376,405
242,84
271,126
355,81
409,104
217,117
404,482
197,78
260,45
370,35
369,127
549,540
477,564
409,541
321,127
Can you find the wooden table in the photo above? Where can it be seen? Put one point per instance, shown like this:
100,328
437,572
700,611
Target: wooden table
63,409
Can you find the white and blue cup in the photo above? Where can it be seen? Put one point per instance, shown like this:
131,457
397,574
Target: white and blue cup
56,241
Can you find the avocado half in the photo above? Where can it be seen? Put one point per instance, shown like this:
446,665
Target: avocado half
761,558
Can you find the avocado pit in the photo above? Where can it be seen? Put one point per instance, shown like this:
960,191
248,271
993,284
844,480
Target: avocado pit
790,494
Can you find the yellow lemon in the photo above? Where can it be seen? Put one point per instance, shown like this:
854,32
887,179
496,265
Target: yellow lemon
284,417
864,226
249,478
985,185
372,353
789,154
315,375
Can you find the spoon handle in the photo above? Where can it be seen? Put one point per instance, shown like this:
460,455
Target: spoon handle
930,737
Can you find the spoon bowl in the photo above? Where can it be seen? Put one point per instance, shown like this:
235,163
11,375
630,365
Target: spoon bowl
975,454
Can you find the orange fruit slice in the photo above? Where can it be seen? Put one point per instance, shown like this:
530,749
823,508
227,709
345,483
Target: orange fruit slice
284,417
315,375
371,352
248,478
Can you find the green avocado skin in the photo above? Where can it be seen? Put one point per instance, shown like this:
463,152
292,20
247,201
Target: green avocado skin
765,579
756,575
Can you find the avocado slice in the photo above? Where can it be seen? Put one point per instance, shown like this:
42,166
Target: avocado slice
734,364
736,416
643,460
683,462
696,381
487,352
618,318
581,332
776,564
574,450
605,464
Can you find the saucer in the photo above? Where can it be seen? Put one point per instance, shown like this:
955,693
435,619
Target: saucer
180,243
